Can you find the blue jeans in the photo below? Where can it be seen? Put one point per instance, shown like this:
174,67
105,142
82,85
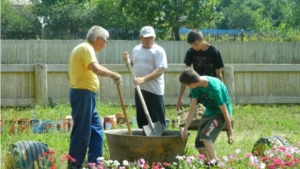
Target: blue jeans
87,132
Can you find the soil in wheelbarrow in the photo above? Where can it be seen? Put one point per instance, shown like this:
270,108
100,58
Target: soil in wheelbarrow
165,148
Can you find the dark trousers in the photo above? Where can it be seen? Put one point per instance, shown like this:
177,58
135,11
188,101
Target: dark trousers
155,105
87,132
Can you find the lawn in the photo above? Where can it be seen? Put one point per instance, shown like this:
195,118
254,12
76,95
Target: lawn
250,123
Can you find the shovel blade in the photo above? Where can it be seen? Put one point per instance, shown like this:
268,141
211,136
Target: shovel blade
156,131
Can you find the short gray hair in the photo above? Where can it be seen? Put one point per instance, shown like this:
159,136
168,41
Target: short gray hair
95,32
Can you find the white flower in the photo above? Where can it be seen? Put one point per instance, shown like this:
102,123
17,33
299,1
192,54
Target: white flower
100,158
180,158
125,162
110,162
225,158
105,163
238,151
175,163
192,158
115,163
213,161
262,165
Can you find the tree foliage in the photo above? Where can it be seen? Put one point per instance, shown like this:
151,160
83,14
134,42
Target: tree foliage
170,15
17,22
124,18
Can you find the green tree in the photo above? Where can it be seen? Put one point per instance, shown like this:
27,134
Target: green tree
166,15
294,15
17,22
237,15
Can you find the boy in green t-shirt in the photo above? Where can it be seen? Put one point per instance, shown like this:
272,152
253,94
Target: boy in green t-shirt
214,96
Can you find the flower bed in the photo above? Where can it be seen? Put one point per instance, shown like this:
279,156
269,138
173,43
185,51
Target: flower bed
274,158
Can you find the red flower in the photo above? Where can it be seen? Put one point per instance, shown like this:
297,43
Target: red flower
289,163
264,159
51,159
51,151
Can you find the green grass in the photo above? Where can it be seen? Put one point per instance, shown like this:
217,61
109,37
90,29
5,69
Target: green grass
250,123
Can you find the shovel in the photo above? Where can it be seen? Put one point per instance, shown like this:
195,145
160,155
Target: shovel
152,129
124,110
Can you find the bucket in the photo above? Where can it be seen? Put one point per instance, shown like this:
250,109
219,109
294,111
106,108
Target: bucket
28,155
163,148
36,125
64,125
110,122
19,125
47,126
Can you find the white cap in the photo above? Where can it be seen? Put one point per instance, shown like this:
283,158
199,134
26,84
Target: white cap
147,31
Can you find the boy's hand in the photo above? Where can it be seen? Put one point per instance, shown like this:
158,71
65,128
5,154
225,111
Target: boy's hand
230,138
179,105
184,134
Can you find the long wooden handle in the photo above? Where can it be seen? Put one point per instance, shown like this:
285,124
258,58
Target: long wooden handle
124,110
139,93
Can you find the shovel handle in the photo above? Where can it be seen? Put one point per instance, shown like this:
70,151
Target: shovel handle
127,61
124,110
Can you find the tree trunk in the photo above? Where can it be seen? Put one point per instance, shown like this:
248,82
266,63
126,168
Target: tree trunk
176,33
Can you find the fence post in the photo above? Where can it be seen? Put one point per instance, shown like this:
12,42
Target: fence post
41,88
228,77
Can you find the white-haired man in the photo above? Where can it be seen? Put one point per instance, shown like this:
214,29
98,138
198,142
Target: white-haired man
84,69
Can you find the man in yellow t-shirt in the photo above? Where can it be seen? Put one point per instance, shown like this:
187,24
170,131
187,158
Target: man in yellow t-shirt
84,69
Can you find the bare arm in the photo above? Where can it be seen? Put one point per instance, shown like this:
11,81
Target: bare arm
179,100
100,70
153,75
219,74
189,119
181,91
228,122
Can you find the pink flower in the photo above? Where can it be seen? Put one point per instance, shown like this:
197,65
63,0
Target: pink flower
155,167
282,148
271,166
277,162
188,159
166,164
288,156
141,163
248,154
232,156
91,164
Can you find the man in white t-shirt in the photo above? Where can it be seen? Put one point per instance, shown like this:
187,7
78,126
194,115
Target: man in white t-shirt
149,61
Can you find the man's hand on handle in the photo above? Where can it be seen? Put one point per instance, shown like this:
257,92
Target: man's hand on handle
125,56
117,79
